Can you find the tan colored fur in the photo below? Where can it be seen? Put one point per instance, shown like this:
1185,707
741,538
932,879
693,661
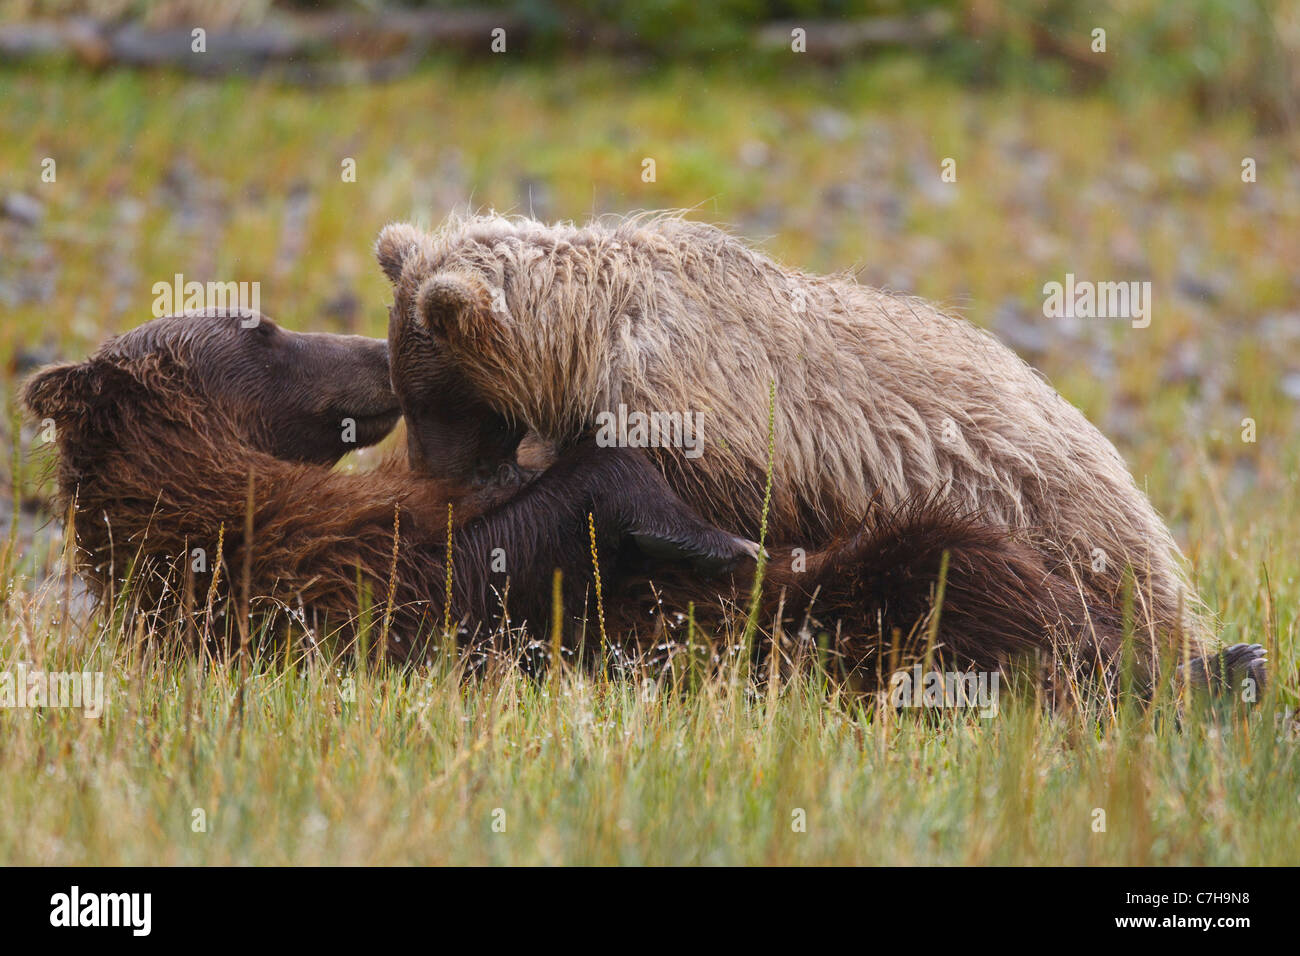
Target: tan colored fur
876,393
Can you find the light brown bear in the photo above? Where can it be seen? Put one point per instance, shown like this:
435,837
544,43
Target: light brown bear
879,398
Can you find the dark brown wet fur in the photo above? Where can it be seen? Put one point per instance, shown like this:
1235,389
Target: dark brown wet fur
157,450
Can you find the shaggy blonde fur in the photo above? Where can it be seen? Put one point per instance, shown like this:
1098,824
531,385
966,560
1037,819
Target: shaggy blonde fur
876,393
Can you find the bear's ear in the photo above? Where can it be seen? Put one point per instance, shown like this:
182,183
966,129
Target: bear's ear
56,390
444,302
395,244
76,390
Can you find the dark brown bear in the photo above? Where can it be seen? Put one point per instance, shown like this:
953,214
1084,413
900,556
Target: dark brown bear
163,431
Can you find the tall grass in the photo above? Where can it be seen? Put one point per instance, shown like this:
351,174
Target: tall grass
262,759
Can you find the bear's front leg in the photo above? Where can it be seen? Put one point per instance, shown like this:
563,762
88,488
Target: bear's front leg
630,496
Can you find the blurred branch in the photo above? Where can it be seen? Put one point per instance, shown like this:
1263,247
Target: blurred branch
366,44
836,39
391,36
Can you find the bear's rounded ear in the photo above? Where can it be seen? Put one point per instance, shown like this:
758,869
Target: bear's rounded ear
73,390
395,244
444,300
56,389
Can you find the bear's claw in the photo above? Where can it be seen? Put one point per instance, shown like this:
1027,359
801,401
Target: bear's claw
714,552
1226,671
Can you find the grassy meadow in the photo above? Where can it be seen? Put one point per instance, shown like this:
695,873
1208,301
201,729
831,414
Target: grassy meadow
241,179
